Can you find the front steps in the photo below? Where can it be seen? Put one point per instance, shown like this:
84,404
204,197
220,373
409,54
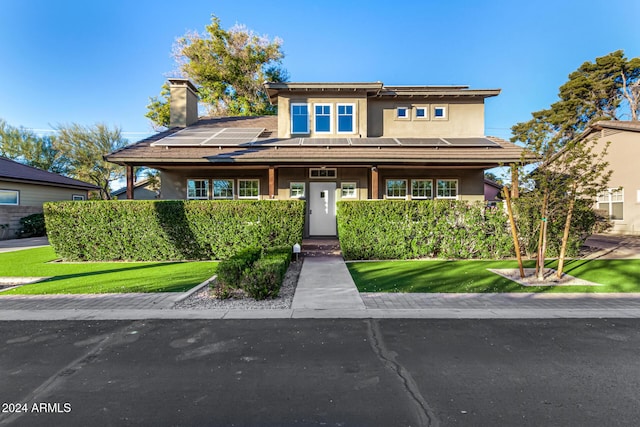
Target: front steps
321,247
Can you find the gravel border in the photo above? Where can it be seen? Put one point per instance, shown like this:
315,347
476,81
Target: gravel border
202,299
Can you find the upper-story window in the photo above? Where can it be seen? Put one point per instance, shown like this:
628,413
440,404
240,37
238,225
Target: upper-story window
346,118
440,112
323,118
421,113
299,118
402,112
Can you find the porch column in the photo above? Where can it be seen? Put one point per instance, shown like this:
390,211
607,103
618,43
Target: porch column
374,183
272,182
130,182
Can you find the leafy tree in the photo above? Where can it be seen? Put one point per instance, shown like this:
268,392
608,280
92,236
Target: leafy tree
493,177
568,169
30,149
229,67
84,147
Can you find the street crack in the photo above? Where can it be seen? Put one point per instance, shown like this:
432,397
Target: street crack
426,417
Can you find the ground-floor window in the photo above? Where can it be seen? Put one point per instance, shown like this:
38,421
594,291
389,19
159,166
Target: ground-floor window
197,189
447,189
77,197
248,188
223,189
612,202
349,190
397,188
421,189
296,190
9,197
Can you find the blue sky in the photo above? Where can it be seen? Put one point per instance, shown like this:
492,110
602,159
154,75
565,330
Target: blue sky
99,61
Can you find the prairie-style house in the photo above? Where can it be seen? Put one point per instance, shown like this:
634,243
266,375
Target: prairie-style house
621,202
329,142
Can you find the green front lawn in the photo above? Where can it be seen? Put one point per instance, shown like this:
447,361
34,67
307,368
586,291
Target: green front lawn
100,277
473,276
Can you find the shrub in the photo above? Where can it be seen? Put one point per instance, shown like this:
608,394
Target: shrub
399,229
264,279
32,225
231,270
151,230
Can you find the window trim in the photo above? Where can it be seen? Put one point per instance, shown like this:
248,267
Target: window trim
17,193
457,181
355,190
256,197
407,115
304,189
353,118
207,181
299,104
609,202
315,118
445,109
425,108
77,198
386,188
335,173
233,189
421,197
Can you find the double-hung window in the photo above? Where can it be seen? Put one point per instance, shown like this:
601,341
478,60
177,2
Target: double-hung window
223,189
322,118
612,203
349,190
396,188
248,188
9,197
299,118
296,190
421,189
447,189
346,118
197,189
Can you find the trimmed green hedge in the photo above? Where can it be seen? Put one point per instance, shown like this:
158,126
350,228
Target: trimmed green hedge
399,229
152,230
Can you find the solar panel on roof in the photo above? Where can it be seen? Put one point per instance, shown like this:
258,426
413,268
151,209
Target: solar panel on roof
471,142
423,142
325,141
374,142
271,142
210,136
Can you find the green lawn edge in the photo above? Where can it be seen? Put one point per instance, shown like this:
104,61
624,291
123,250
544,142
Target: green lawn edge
99,277
431,276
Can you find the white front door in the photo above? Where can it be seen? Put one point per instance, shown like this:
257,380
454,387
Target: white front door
322,209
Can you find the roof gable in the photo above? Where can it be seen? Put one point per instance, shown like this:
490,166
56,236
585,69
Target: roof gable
14,171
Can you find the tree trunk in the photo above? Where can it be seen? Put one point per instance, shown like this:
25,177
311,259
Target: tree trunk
565,236
514,230
542,241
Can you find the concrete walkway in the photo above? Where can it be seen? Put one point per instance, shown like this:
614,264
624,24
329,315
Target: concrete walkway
325,284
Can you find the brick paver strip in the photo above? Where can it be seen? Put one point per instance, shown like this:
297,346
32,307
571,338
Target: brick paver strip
163,300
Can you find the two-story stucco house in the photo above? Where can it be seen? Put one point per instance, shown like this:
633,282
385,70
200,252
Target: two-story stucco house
621,202
329,142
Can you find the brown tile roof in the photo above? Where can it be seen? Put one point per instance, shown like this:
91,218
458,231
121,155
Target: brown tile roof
146,153
11,170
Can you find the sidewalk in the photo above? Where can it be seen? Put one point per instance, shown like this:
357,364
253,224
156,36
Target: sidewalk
326,290
19,244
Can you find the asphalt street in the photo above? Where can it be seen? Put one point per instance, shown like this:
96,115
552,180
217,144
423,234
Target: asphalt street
359,372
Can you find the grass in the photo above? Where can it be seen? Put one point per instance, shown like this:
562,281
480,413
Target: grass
473,276
99,277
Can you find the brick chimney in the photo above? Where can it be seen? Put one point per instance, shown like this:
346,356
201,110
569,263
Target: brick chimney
184,102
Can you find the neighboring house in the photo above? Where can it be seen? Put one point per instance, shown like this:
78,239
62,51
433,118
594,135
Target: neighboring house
329,142
142,190
621,203
492,191
23,190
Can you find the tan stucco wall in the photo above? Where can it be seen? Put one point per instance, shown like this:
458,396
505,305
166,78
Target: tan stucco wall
36,195
623,155
464,119
358,99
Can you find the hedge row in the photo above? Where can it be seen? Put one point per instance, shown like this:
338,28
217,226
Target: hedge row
149,230
256,271
390,229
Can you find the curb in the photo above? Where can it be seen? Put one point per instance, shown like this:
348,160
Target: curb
183,296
